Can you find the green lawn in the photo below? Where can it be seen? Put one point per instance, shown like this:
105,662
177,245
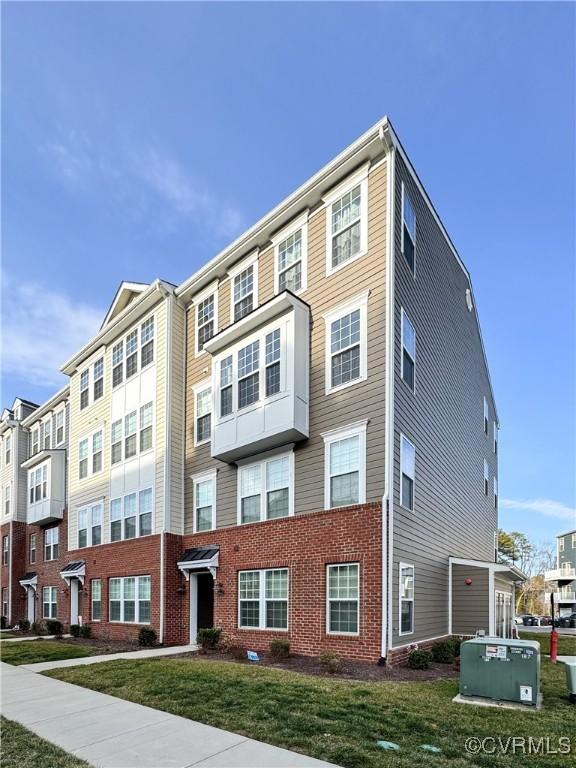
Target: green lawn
566,646
32,651
336,720
4,635
20,748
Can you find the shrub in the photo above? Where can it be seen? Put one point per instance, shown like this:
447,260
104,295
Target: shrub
23,625
146,637
330,661
2,622
85,630
54,627
75,630
237,652
443,652
38,628
456,643
208,639
419,659
279,648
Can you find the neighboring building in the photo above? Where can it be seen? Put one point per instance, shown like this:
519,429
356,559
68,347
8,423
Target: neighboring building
13,451
299,441
564,575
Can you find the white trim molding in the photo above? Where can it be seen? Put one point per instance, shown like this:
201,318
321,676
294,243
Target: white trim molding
298,224
358,178
358,429
210,476
360,303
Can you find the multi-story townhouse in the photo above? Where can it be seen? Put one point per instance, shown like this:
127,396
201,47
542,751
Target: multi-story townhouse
341,431
564,575
45,474
299,441
13,451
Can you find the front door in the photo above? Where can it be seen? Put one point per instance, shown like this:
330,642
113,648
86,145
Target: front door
30,604
75,601
201,603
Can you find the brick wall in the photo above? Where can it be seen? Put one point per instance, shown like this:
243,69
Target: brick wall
48,571
17,533
305,545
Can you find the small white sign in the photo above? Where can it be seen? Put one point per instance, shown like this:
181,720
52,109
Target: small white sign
496,651
525,693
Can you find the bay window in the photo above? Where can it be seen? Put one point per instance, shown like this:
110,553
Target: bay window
38,483
263,599
266,489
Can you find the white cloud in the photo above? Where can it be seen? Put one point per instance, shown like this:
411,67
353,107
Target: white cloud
72,156
546,507
41,330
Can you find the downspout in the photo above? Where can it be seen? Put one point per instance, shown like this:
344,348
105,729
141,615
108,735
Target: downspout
167,458
388,498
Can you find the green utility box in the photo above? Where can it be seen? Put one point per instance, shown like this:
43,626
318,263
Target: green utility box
501,670
571,680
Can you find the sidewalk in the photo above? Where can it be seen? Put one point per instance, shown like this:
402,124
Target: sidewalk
112,733
144,653
31,637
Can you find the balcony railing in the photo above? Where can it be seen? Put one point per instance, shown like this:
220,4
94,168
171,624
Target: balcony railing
561,574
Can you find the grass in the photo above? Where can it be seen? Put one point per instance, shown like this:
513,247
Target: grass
336,720
32,651
566,645
20,748
4,635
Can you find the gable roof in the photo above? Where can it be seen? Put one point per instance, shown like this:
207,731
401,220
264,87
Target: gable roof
125,294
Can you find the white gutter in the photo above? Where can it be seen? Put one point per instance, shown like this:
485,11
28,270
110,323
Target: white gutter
43,409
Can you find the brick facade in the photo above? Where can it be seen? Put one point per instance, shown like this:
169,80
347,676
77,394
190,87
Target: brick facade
16,532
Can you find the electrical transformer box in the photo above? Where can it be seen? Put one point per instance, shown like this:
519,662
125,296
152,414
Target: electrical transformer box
500,669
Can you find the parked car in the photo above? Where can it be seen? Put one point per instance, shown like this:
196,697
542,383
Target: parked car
530,621
545,621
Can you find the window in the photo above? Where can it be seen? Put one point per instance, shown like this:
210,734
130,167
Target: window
249,374
59,427
96,599
98,378
117,364
290,248
406,607
343,589
7,499
244,289
5,608
485,416
226,386
146,427
7,450
408,361
84,389
266,489
574,541
495,444
408,237
204,501
203,414
147,342
486,477
116,442
132,353
47,435
346,344
90,526
32,549
51,544
263,599
407,472
49,603
131,515
130,444
206,310
560,545
495,483
90,452
345,466
5,549
272,363
35,441
347,222
38,484
129,599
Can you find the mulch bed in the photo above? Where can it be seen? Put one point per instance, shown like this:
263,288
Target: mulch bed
351,670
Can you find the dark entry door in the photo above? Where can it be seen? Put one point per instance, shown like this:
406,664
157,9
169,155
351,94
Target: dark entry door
205,601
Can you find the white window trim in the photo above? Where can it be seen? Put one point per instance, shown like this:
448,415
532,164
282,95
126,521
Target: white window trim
7,497
137,515
136,600
52,544
109,360
485,417
50,601
410,509
198,389
250,260
327,577
31,472
406,599
88,508
358,429
486,479
300,223
405,316
210,475
100,355
196,301
402,229
495,491
57,412
90,437
246,464
360,301
561,545
139,429
262,600
92,601
359,177
495,438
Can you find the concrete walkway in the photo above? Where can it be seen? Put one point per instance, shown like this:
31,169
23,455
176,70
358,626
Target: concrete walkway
144,653
30,637
111,733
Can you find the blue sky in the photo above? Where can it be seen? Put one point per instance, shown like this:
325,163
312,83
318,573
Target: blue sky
140,138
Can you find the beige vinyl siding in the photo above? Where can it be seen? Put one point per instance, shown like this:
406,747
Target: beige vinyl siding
160,413
503,585
364,400
177,417
443,419
470,603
